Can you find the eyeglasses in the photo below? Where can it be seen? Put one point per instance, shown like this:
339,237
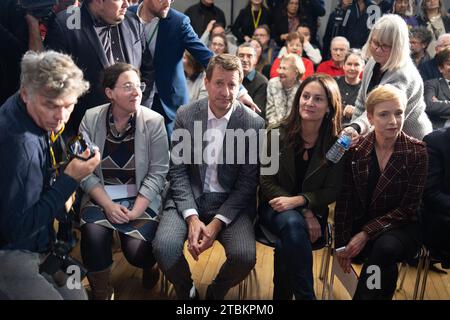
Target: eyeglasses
129,87
169,1
384,47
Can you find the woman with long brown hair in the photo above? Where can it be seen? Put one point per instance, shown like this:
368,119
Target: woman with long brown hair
294,201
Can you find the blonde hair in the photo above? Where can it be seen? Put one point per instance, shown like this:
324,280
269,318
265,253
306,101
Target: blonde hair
51,73
391,30
296,62
384,93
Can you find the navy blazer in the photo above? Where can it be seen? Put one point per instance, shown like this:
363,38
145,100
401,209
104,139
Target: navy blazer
175,34
437,191
439,110
87,51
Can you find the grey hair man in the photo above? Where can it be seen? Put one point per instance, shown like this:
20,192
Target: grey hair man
36,180
254,81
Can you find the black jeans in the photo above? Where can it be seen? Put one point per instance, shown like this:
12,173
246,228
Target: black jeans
293,273
385,252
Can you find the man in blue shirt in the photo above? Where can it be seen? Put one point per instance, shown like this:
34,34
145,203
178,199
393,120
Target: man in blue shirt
34,187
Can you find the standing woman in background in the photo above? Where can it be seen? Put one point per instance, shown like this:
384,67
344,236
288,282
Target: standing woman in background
435,18
256,13
388,51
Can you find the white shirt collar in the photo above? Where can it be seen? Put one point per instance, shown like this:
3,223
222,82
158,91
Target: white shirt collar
226,116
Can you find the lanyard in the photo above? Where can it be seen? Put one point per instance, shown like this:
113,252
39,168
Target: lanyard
256,23
53,138
149,41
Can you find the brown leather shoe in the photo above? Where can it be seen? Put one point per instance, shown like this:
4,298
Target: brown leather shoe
150,277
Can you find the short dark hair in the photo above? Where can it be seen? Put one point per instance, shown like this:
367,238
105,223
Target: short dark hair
443,56
227,62
422,34
112,73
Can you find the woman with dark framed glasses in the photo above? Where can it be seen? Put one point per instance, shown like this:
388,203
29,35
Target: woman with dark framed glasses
124,193
390,63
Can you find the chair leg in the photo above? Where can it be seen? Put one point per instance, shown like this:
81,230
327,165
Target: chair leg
425,274
402,272
325,275
422,273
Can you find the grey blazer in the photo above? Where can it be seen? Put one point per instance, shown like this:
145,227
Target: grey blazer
439,110
187,179
151,151
407,79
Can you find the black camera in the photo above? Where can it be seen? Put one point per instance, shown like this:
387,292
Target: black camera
58,261
78,144
40,9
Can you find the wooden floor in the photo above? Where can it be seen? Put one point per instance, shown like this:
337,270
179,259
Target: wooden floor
127,279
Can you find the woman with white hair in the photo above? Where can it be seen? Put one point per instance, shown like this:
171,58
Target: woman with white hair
387,49
281,90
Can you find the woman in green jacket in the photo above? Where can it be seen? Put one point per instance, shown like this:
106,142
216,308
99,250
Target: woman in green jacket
294,201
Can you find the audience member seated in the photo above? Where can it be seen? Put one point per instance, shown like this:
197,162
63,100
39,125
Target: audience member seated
195,77
376,214
419,39
254,81
404,9
261,62
292,13
124,192
202,13
436,198
285,21
436,20
294,45
437,92
214,28
390,63
350,83
333,67
211,199
429,69
281,90
219,44
256,13
294,201
270,47
310,50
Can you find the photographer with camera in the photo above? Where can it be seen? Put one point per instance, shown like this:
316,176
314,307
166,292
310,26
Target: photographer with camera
34,185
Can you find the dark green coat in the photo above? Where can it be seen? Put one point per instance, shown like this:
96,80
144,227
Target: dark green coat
322,180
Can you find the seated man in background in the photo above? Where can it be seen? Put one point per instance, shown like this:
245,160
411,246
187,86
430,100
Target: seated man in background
339,49
436,199
34,185
437,92
254,81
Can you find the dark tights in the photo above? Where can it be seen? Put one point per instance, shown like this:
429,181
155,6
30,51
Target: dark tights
96,248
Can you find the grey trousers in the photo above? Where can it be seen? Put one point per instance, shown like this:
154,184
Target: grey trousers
20,279
238,240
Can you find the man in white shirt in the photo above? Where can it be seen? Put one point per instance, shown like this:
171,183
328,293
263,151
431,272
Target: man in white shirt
213,184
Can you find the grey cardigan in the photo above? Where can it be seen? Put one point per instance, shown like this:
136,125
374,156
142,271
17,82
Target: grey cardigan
151,151
407,79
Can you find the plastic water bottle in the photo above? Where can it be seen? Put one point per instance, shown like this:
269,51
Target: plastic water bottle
339,147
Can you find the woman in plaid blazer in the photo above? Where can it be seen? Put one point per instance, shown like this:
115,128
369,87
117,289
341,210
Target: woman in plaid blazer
376,211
